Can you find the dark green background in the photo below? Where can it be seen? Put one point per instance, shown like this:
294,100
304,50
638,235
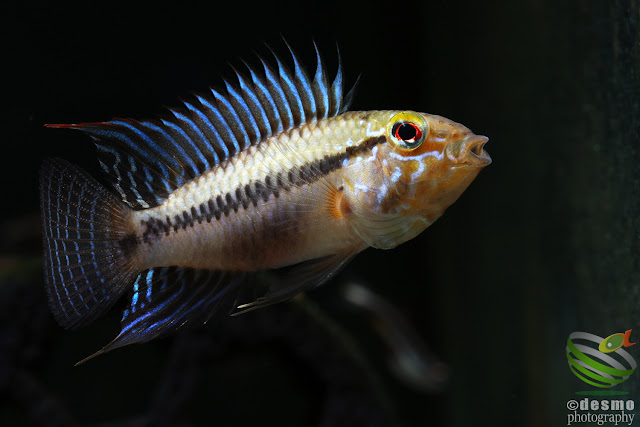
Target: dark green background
545,241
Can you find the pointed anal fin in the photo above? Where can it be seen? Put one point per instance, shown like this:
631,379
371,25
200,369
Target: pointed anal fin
166,299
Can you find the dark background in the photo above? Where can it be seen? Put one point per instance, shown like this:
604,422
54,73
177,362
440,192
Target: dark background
543,243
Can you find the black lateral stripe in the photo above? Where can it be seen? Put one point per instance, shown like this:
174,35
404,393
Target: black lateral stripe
222,205
366,145
261,190
214,209
231,202
195,216
128,244
251,193
280,183
204,213
187,220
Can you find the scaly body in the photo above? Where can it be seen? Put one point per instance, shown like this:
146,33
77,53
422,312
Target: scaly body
272,174
255,211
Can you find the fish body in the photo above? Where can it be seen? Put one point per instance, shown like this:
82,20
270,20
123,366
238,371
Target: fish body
273,173
371,185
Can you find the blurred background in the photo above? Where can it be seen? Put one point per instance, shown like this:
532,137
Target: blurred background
479,307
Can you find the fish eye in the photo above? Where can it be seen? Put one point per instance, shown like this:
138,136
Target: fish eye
408,130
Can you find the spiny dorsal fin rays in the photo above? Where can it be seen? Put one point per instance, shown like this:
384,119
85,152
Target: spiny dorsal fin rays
348,98
277,93
246,114
320,87
235,129
291,92
148,160
256,111
194,135
267,101
223,140
130,156
336,91
341,103
206,122
304,88
178,151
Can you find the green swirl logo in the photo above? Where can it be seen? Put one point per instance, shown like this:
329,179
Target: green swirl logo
600,362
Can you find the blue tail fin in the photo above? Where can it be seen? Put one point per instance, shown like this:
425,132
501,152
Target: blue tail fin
89,249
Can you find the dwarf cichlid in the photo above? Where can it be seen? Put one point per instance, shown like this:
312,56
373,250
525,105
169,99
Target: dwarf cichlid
269,172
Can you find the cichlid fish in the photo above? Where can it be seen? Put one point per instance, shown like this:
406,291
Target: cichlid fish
270,172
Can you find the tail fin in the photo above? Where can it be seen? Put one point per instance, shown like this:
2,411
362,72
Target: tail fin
89,248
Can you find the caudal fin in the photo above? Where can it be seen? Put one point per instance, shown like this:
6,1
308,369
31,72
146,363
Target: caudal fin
89,248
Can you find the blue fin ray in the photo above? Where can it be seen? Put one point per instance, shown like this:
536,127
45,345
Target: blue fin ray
187,164
148,160
279,97
257,110
320,88
336,92
166,299
268,101
291,93
227,120
86,267
304,87
206,120
195,136
130,156
243,110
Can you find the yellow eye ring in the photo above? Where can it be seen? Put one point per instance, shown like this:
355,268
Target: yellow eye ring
407,130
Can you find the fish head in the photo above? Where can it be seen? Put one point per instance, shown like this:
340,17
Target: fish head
425,165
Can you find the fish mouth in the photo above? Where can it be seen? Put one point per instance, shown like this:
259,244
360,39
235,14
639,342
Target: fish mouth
472,152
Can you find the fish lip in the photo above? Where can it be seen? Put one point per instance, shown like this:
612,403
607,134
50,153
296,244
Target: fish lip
472,152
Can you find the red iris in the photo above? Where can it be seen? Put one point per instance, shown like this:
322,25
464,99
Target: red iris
407,132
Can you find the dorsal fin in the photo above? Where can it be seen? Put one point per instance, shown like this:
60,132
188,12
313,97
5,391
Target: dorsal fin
148,160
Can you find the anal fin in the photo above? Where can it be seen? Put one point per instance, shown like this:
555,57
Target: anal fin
168,298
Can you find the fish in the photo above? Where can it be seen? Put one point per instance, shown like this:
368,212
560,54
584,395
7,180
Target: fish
270,172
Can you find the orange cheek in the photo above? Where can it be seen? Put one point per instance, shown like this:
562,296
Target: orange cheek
431,145
412,166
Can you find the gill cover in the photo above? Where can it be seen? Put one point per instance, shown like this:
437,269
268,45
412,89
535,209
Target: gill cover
387,225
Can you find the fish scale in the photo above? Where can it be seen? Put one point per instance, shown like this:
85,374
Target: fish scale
272,172
312,143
